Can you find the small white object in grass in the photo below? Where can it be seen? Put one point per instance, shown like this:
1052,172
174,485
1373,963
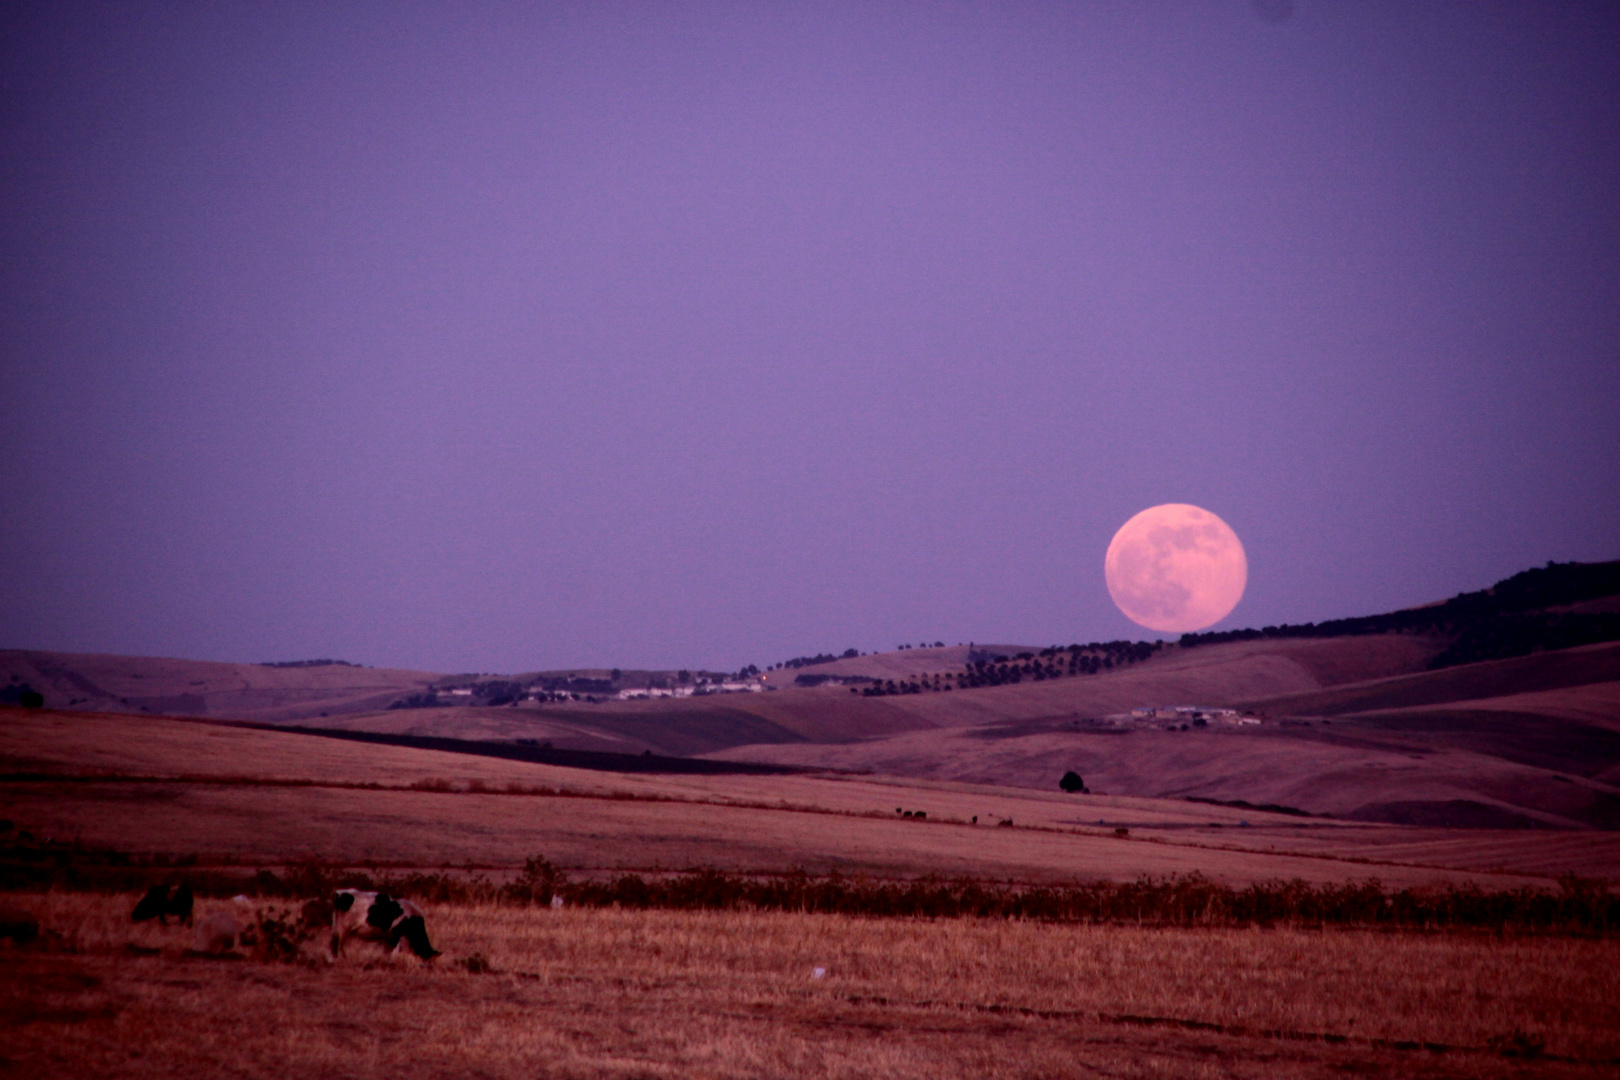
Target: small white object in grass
556,903
242,898
818,973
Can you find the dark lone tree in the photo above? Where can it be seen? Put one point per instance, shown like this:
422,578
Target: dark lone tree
1071,782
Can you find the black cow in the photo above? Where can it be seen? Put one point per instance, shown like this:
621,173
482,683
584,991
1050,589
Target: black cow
159,904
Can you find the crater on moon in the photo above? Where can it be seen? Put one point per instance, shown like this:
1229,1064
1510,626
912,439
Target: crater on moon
1176,568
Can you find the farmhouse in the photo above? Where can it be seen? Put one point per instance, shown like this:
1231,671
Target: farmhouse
1191,713
644,692
729,687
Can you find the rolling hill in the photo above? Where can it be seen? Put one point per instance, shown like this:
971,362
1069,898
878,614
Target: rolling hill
1374,718
179,793
162,686
1441,748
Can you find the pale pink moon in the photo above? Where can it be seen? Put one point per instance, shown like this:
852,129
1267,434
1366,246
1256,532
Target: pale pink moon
1176,568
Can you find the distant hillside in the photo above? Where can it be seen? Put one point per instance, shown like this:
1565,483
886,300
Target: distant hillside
831,714
1514,617
1528,742
158,686
1390,717
1490,679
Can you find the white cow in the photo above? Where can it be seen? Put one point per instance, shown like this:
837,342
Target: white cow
376,916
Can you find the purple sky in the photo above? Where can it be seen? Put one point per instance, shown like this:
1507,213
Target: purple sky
711,334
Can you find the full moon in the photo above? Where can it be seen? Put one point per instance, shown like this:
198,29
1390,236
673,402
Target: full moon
1176,568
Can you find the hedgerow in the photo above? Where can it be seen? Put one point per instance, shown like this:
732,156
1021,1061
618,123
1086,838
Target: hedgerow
1575,906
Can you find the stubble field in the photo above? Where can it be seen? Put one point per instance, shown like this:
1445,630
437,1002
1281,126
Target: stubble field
183,788
610,993
605,992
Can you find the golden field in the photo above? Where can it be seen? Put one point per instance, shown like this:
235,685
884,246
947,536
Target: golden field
1354,727
605,992
610,993
1394,796
181,788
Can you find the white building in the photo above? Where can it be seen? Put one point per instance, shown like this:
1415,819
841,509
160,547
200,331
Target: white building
654,692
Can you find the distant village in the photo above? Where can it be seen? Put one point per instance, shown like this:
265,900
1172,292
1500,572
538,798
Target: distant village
583,687
982,668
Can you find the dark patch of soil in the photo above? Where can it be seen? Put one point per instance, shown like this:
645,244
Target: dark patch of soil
1450,814
601,761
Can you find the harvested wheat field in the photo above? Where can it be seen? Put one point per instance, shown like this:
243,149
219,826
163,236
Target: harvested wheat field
186,789
595,990
607,993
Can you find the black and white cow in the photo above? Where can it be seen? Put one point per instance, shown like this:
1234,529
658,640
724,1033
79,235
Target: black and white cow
376,916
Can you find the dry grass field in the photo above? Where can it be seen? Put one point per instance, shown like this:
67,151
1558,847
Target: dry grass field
185,788
1531,742
1355,729
610,993
1353,767
605,992
1460,797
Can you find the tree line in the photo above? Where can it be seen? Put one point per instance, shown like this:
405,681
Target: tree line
993,669
819,658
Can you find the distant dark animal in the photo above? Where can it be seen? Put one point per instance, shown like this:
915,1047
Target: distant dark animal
154,905
376,916
159,904
180,903
17,925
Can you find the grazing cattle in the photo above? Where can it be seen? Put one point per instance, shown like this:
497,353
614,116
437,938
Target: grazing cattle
159,904
154,905
180,903
376,916
316,913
